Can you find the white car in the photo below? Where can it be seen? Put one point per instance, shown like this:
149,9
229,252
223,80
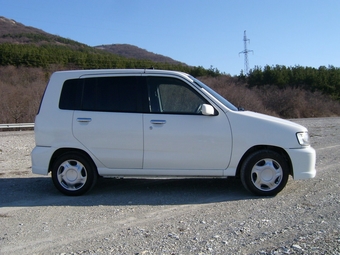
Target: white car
153,123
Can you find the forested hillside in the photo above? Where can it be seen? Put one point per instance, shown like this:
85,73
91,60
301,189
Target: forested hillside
27,46
323,79
134,52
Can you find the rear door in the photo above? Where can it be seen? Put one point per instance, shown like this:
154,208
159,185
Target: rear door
176,134
110,122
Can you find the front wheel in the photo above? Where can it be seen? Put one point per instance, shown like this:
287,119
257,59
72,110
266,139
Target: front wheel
264,173
73,174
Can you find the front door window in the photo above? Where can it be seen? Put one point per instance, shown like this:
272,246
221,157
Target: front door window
172,96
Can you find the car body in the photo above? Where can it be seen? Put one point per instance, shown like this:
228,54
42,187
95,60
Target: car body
155,123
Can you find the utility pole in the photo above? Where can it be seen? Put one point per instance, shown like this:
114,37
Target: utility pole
245,52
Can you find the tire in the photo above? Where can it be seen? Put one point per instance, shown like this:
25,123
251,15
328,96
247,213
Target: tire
73,174
264,173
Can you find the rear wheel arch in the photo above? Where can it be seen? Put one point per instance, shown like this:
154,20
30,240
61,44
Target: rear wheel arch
62,151
73,172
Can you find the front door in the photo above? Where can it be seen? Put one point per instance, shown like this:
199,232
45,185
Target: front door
176,134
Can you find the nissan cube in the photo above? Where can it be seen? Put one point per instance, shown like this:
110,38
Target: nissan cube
153,123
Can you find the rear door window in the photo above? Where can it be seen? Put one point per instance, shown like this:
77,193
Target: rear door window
107,94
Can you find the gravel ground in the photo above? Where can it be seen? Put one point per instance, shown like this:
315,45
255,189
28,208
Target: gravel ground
170,216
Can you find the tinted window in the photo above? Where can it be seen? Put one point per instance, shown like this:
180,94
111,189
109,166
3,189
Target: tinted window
70,98
112,94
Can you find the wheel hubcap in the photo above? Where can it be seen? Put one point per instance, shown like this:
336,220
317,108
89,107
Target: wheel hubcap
266,174
72,175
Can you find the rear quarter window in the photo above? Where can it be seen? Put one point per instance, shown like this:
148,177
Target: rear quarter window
70,98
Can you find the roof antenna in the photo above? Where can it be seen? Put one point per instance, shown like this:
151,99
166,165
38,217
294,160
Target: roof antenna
152,68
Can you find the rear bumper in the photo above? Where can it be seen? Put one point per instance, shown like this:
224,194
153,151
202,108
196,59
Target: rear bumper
303,162
41,157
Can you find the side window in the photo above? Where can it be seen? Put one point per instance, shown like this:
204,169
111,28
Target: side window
70,98
169,95
114,94
107,94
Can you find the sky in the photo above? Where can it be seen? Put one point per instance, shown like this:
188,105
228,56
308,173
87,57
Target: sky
206,33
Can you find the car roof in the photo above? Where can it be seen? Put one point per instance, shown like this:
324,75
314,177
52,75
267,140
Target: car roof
90,72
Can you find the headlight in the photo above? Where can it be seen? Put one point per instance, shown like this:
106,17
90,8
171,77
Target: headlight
303,138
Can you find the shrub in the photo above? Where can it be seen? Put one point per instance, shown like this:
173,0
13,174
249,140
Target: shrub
22,88
286,103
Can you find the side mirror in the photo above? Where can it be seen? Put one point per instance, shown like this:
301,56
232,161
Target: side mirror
208,110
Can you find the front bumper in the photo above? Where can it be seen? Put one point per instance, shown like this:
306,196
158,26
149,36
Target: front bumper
303,162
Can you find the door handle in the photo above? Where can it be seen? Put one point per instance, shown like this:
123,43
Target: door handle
158,122
84,119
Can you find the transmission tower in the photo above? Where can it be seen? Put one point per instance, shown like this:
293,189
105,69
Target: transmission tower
245,52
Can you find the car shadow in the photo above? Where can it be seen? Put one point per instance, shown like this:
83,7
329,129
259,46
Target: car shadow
39,191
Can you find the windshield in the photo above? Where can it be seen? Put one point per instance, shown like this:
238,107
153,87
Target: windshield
220,98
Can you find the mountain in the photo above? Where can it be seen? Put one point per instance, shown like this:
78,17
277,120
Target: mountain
16,33
11,27
130,51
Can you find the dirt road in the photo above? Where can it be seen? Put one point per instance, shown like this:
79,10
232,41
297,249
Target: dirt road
186,216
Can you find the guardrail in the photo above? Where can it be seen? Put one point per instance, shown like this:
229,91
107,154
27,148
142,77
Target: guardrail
16,125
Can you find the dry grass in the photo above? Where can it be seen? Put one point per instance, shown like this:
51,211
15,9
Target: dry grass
285,103
22,88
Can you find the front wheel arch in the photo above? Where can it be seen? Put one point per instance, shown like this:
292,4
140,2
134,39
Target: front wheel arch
264,172
253,149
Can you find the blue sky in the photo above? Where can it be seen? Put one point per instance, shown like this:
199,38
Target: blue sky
197,32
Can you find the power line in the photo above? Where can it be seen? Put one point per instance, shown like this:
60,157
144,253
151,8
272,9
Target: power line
245,52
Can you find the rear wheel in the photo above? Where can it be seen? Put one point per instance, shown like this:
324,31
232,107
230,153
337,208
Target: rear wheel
264,173
73,174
